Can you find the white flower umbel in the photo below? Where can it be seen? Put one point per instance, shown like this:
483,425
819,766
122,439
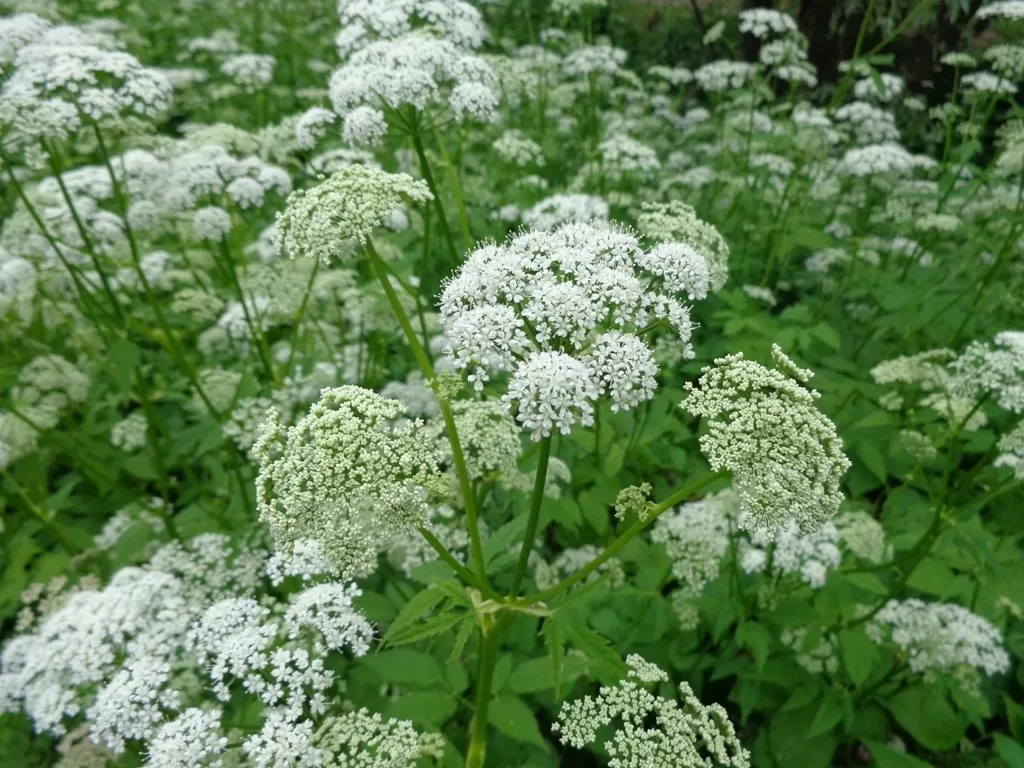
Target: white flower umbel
765,22
344,476
81,81
1003,9
191,740
1011,446
345,208
364,21
882,158
563,310
810,555
992,370
649,730
864,536
558,209
785,456
939,637
489,438
414,70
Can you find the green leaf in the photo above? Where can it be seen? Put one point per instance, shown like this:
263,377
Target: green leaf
413,611
430,708
802,696
927,716
594,646
432,627
1011,751
404,665
554,639
887,757
498,542
868,454
125,358
468,625
1015,717
614,458
859,654
513,718
868,582
757,639
539,674
829,713
595,512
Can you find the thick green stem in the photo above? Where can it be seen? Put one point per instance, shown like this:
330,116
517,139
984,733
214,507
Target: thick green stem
632,532
531,523
465,485
476,754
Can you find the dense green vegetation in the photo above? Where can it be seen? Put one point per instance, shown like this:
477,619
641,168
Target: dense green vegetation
394,383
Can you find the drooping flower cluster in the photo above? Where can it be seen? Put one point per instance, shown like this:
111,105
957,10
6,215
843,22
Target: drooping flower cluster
785,456
654,732
345,476
563,310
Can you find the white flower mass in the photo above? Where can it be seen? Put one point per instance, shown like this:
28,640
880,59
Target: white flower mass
563,311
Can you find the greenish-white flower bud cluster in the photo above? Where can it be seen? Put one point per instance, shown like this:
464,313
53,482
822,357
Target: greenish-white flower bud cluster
323,222
651,731
345,476
785,456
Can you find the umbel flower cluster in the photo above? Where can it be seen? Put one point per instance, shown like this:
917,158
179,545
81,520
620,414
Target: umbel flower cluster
564,311
650,730
159,656
784,455
346,476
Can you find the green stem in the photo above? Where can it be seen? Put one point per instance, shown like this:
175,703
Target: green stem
468,576
632,532
453,179
465,485
534,519
476,754
442,217
44,519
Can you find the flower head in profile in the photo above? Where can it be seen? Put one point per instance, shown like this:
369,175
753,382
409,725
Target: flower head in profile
785,456
651,730
345,208
564,312
345,476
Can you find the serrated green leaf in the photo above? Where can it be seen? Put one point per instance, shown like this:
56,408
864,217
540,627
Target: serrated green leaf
421,603
465,630
499,541
868,582
594,646
554,639
511,716
432,627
